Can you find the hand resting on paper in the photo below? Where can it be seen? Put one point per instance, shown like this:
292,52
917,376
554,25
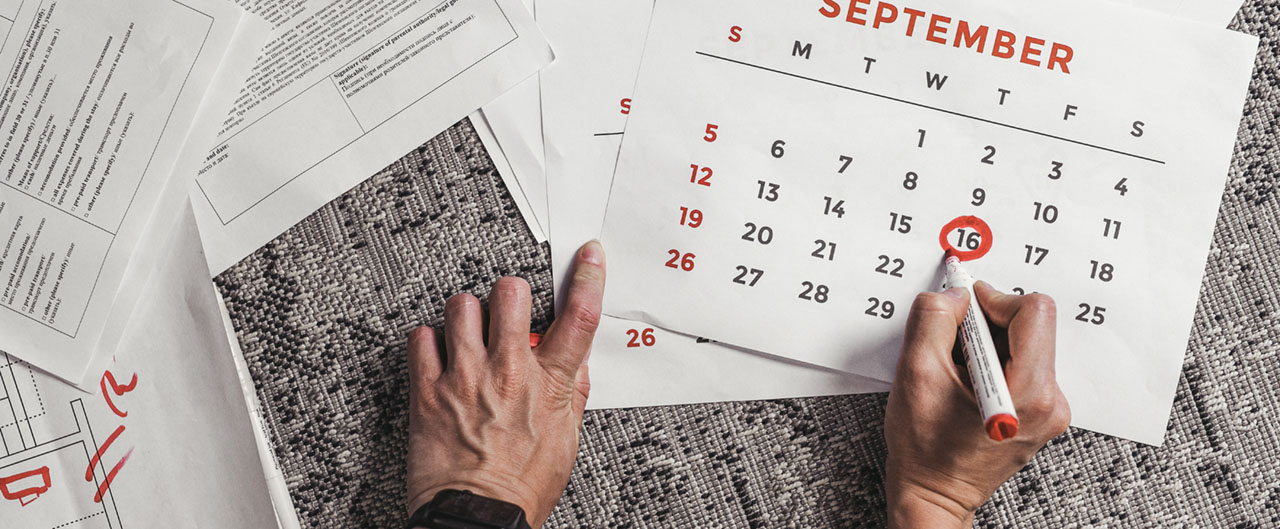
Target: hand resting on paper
502,419
942,465
495,416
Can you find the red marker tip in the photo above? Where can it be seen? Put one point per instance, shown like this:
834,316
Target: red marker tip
534,339
951,252
1002,426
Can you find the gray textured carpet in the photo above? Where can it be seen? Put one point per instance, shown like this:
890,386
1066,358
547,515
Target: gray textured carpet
321,313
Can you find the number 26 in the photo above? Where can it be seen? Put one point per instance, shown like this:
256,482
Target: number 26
680,261
639,338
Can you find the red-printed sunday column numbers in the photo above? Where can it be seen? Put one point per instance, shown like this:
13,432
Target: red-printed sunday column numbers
790,171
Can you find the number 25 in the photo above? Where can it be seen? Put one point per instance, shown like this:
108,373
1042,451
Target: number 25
1097,313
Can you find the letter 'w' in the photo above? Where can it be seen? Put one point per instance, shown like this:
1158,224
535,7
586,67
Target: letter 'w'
935,79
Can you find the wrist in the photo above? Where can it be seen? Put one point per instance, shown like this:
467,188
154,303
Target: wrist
912,507
913,500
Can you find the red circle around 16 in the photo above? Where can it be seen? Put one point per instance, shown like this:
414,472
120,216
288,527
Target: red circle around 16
971,222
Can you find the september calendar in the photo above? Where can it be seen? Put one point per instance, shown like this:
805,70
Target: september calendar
792,173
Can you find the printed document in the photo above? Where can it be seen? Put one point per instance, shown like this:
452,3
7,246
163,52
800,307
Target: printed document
97,102
345,88
166,439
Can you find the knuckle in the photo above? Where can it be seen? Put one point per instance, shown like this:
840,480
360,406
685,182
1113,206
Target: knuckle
588,272
926,301
582,318
1042,304
1041,406
1060,418
930,302
459,303
463,384
421,337
428,398
511,287
511,380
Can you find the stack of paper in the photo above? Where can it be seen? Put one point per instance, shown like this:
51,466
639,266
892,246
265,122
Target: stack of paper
112,116
777,178
786,172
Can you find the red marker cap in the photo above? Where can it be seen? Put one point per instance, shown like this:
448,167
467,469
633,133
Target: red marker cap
1002,426
534,340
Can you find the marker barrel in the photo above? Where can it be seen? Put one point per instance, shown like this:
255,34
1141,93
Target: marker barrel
999,418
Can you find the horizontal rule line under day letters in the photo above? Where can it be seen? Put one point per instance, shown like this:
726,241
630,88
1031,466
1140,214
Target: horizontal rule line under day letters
936,109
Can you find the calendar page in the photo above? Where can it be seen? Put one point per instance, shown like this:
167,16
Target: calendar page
586,97
792,172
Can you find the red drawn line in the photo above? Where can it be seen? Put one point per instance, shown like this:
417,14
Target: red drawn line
106,483
22,494
107,398
973,223
117,388
93,462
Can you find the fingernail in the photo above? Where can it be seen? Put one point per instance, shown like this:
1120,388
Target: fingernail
593,253
956,292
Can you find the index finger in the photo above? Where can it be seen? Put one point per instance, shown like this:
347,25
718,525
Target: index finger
1032,322
568,341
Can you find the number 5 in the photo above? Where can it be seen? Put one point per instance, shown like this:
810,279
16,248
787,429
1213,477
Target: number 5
711,133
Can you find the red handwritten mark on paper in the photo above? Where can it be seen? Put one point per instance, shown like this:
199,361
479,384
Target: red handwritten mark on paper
97,456
93,462
106,483
117,389
977,225
29,494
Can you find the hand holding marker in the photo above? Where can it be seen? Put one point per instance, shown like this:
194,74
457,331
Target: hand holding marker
989,386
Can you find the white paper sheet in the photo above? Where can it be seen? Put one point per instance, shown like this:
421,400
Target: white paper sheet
503,165
831,112
516,120
173,202
276,484
174,443
312,124
97,107
632,364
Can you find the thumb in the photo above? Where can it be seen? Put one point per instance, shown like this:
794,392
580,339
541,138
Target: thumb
568,341
931,330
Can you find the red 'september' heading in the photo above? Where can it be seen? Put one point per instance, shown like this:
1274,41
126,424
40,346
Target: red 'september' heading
957,33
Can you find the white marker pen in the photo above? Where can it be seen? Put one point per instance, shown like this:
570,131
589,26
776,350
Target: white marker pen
989,386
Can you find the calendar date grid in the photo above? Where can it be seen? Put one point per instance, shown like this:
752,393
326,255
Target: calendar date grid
759,235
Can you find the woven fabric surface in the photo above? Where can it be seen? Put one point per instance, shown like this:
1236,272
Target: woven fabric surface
322,311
